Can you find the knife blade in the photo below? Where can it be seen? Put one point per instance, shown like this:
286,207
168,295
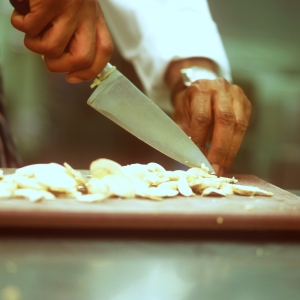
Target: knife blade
121,101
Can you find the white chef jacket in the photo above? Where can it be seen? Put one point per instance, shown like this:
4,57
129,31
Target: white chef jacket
151,33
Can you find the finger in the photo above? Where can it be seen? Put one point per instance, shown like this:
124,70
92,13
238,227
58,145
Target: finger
223,129
103,52
36,20
181,114
55,39
242,109
201,118
17,20
82,46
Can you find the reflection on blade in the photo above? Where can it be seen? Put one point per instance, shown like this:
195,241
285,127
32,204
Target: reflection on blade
119,100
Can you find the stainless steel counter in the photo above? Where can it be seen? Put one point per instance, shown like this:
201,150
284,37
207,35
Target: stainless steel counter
148,266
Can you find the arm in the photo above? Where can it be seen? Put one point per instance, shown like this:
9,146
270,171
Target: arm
183,34
180,29
71,35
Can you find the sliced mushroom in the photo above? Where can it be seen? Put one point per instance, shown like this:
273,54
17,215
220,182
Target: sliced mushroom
199,172
28,182
90,198
213,191
249,190
75,174
102,167
33,195
55,178
183,186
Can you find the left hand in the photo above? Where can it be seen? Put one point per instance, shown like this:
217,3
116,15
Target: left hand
215,111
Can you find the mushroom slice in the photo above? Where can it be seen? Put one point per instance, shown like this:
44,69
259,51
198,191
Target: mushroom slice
7,189
33,195
174,175
72,193
183,186
154,179
213,191
168,189
119,186
228,180
55,178
30,170
206,183
135,170
110,185
154,167
90,198
98,186
152,193
199,172
75,174
102,167
28,182
249,190
226,188
192,181
173,185
204,168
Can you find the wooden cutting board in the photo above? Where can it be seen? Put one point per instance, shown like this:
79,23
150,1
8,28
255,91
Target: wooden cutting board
279,212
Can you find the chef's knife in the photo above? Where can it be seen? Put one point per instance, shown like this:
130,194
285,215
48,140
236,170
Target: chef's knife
119,100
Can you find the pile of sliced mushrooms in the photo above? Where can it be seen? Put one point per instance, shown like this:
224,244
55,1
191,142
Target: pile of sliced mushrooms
108,179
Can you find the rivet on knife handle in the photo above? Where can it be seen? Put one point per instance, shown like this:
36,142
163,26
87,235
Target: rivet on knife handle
103,75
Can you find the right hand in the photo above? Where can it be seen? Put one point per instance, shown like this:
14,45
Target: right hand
72,35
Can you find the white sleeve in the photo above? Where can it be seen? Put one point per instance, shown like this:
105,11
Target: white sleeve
151,33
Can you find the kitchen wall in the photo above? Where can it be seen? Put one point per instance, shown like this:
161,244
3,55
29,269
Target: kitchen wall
51,121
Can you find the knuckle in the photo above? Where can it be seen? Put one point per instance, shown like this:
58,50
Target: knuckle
227,118
241,126
82,61
43,47
223,83
193,88
220,150
198,89
237,89
201,85
108,48
52,51
203,119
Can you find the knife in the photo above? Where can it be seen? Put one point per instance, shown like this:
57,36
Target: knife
119,100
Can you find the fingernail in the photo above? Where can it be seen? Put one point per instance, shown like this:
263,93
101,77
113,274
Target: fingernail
74,80
216,168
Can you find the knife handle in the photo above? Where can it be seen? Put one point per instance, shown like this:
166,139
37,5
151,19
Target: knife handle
22,7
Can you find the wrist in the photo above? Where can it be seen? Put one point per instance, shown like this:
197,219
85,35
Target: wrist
173,72
194,73
183,73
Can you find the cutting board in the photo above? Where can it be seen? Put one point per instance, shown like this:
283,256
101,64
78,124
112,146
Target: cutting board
234,212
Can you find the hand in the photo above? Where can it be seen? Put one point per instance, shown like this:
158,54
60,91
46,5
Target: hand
215,111
71,35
